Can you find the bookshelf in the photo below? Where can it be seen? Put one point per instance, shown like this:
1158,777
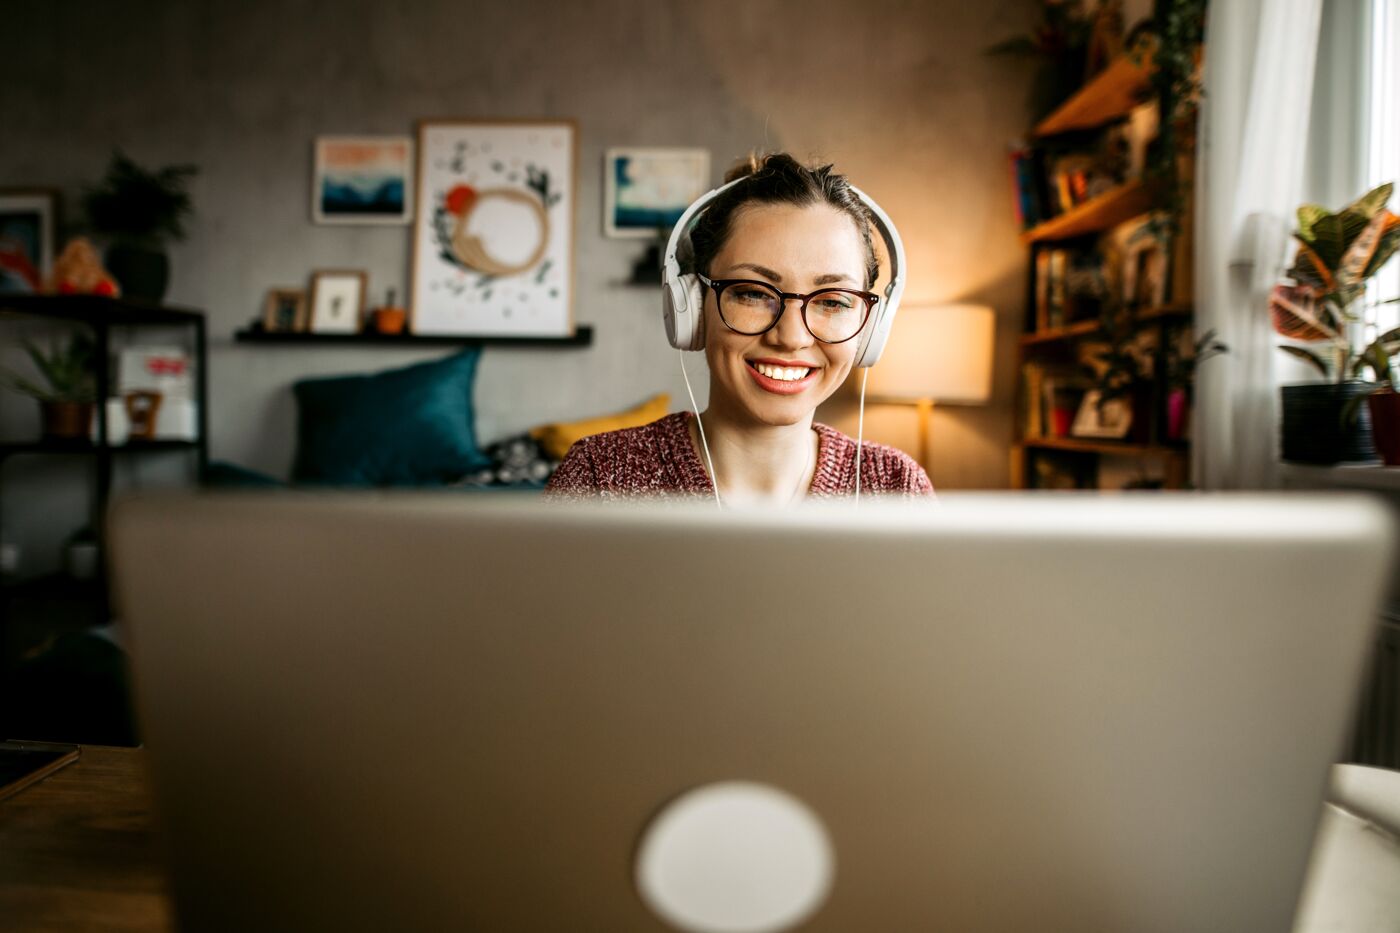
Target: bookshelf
1080,228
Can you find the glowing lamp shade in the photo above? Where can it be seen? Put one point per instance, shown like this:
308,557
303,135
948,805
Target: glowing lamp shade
939,353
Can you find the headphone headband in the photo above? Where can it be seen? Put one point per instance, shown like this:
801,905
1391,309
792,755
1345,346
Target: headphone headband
683,296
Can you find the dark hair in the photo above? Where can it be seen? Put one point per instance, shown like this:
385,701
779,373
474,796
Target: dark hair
778,178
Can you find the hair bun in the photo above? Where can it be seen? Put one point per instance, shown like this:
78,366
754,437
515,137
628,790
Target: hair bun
750,164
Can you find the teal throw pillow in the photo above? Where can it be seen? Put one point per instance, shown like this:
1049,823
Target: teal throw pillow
402,427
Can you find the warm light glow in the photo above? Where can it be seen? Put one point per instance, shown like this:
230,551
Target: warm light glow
942,353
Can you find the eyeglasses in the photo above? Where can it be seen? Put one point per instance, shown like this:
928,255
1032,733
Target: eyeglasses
832,315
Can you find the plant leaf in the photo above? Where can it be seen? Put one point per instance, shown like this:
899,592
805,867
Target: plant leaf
1308,215
1372,201
1309,357
1351,409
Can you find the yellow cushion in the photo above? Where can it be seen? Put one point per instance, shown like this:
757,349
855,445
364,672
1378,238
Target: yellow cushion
556,439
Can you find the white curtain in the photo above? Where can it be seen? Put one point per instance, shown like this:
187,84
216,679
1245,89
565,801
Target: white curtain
1260,58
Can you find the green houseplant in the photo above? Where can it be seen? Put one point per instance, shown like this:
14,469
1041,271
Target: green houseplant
1338,252
139,212
68,394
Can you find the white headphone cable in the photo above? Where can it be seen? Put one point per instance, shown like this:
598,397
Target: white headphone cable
860,428
714,480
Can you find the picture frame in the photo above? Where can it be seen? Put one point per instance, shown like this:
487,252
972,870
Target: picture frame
1112,422
493,243
28,238
337,301
1144,271
648,189
362,180
285,311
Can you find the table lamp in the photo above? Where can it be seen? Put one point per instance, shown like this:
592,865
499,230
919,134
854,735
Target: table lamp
936,353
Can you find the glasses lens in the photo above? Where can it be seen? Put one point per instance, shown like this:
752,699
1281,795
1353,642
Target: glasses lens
749,309
835,316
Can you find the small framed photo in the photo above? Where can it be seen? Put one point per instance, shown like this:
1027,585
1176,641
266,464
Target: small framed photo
337,301
363,180
1111,420
285,310
27,238
647,190
1144,274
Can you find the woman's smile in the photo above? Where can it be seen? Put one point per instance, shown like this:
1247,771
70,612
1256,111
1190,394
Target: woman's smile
783,377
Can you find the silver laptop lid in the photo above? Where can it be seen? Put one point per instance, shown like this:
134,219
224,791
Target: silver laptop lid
419,711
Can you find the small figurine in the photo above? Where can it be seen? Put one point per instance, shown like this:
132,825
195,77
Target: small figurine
78,271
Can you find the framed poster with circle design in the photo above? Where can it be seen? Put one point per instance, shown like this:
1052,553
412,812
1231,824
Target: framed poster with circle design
493,235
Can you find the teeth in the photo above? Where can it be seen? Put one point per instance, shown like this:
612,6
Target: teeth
782,373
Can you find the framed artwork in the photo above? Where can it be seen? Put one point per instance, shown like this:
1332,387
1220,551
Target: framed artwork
493,235
646,190
362,180
27,218
285,310
337,301
1111,421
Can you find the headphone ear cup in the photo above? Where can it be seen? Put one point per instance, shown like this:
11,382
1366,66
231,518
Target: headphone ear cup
685,303
695,300
873,344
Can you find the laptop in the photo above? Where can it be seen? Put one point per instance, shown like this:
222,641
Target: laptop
1007,712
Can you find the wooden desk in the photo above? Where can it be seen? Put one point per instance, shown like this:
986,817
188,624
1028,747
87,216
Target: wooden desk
78,850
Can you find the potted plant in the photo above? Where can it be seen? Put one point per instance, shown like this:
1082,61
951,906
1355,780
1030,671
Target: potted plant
1337,253
1383,400
66,404
1181,380
139,211
1120,369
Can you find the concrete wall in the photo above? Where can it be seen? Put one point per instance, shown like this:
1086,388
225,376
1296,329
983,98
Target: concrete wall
896,92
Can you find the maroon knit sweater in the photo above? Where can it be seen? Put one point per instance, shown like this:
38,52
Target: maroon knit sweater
659,458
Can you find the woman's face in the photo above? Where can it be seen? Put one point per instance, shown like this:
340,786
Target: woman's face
798,250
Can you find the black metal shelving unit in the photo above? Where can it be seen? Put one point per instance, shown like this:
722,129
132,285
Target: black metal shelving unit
102,315
581,337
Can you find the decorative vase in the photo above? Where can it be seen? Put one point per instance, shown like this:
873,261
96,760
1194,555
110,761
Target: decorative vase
67,420
1178,414
389,320
1312,429
1385,425
142,273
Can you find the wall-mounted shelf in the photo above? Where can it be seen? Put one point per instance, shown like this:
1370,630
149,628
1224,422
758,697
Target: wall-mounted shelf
582,337
1095,215
1107,96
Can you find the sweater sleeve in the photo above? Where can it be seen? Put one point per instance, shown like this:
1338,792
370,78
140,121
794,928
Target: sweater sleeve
575,477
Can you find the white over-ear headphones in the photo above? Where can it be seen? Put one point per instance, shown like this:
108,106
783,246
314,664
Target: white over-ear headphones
683,296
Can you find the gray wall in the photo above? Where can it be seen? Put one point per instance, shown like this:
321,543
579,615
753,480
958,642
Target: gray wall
896,92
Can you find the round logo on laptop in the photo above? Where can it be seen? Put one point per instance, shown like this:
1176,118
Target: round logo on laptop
735,857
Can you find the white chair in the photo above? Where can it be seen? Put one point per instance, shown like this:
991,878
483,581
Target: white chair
1353,879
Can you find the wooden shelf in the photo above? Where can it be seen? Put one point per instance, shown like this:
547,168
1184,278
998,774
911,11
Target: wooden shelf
94,309
1089,328
1095,215
1109,95
1091,446
582,337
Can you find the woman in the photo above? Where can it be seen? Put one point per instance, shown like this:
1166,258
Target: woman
787,262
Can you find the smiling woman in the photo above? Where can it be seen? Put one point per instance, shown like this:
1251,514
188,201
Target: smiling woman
785,261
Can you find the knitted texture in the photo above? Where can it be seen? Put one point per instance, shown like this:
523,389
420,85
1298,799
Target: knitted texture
659,459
